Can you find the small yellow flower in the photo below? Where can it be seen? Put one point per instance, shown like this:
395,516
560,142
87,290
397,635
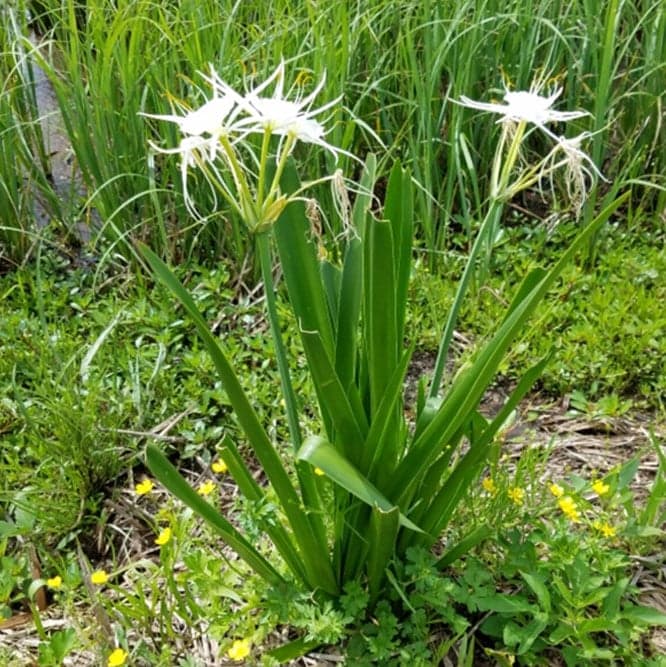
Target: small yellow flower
54,582
604,528
517,495
117,658
99,578
219,467
206,488
600,488
489,485
239,649
144,487
556,490
569,508
164,537
318,471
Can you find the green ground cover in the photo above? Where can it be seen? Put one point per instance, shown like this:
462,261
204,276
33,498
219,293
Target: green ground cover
547,559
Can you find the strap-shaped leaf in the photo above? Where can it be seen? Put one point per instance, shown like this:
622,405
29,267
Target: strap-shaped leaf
464,546
399,211
383,532
364,197
467,391
349,311
445,501
253,492
171,479
382,430
292,650
299,261
346,343
331,278
321,453
379,287
314,554
342,407
529,282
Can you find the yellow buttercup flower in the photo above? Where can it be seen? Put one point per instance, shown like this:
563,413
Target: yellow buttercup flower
219,467
604,528
569,508
144,487
239,650
117,658
206,488
517,495
489,485
164,537
556,490
99,577
600,488
54,582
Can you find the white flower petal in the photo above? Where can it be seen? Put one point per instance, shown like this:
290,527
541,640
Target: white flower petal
528,106
209,118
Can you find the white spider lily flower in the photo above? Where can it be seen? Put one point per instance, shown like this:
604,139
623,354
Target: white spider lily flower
208,119
577,158
580,170
526,106
214,118
292,119
194,151
214,142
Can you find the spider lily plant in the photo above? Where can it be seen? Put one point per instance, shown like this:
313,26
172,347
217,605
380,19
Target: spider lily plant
368,483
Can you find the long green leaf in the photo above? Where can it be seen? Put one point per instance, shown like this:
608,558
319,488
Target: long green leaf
464,546
305,477
313,554
292,650
248,486
399,211
381,540
382,427
322,454
379,285
300,265
343,407
467,392
349,311
364,197
444,502
167,475
531,280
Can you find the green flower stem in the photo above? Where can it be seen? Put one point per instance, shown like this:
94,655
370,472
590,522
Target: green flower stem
244,194
213,177
498,163
502,169
263,247
489,223
282,162
509,163
310,494
263,159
